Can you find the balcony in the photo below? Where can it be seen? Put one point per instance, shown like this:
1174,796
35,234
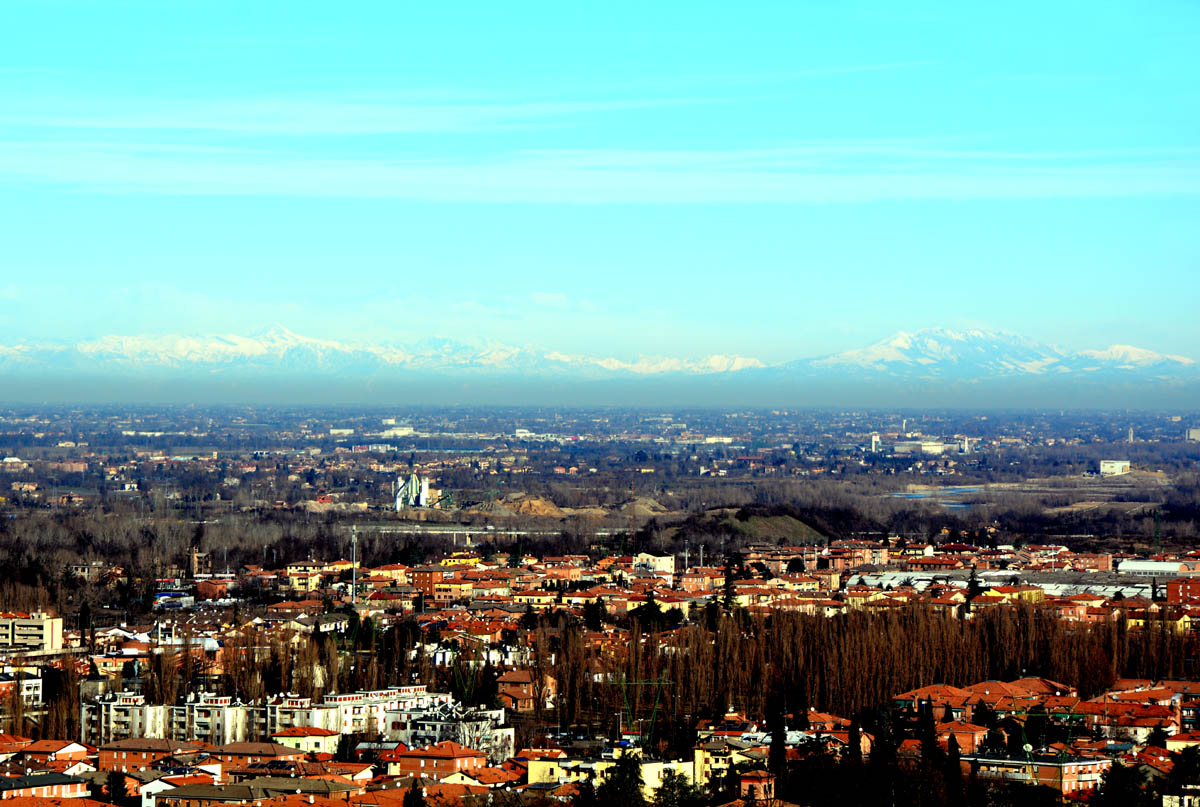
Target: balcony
1006,776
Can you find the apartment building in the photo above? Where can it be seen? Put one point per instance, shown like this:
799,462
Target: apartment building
220,719
472,727
35,631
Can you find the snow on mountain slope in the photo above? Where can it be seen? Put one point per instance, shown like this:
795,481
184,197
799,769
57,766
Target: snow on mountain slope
1127,356
280,349
979,354
938,350
935,353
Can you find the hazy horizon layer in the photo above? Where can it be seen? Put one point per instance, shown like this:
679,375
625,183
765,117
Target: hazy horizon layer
433,390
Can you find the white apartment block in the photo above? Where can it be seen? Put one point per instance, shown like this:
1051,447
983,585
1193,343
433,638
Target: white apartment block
220,719
430,723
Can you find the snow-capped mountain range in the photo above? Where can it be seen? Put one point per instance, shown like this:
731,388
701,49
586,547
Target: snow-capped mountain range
978,354
935,353
282,350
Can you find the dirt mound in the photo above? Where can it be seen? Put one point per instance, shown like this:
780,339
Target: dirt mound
586,512
643,507
524,505
494,509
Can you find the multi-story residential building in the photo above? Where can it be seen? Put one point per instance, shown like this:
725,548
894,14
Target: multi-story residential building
1064,774
478,728
349,713
30,687
215,719
220,719
450,590
35,631
120,715
426,578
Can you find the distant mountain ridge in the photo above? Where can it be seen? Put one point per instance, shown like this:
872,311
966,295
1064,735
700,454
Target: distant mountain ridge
981,354
930,354
278,349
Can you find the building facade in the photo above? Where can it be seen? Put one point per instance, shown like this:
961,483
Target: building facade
35,631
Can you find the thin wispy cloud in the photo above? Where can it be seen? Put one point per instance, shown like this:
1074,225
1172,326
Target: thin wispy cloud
319,116
817,173
745,79
550,299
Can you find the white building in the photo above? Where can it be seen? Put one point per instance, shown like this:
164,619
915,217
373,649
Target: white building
658,565
1166,569
478,728
1114,467
220,719
118,715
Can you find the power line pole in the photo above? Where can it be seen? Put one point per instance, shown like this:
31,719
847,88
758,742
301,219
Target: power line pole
354,565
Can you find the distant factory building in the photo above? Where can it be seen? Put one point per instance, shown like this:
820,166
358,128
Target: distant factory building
932,447
1114,467
415,492
411,492
1155,568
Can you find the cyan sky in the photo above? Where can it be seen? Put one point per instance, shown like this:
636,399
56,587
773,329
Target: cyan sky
771,179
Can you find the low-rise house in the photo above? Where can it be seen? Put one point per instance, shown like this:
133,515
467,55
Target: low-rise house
46,750
136,753
435,761
242,754
43,784
309,740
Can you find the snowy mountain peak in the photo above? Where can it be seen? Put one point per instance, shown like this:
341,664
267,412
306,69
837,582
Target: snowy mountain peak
1127,355
932,354
940,346
980,354
279,349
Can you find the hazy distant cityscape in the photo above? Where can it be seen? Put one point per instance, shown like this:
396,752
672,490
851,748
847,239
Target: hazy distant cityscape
596,605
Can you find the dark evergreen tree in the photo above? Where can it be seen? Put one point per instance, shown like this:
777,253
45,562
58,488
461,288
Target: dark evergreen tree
854,741
1125,786
623,783
414,796
953,773
677,791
